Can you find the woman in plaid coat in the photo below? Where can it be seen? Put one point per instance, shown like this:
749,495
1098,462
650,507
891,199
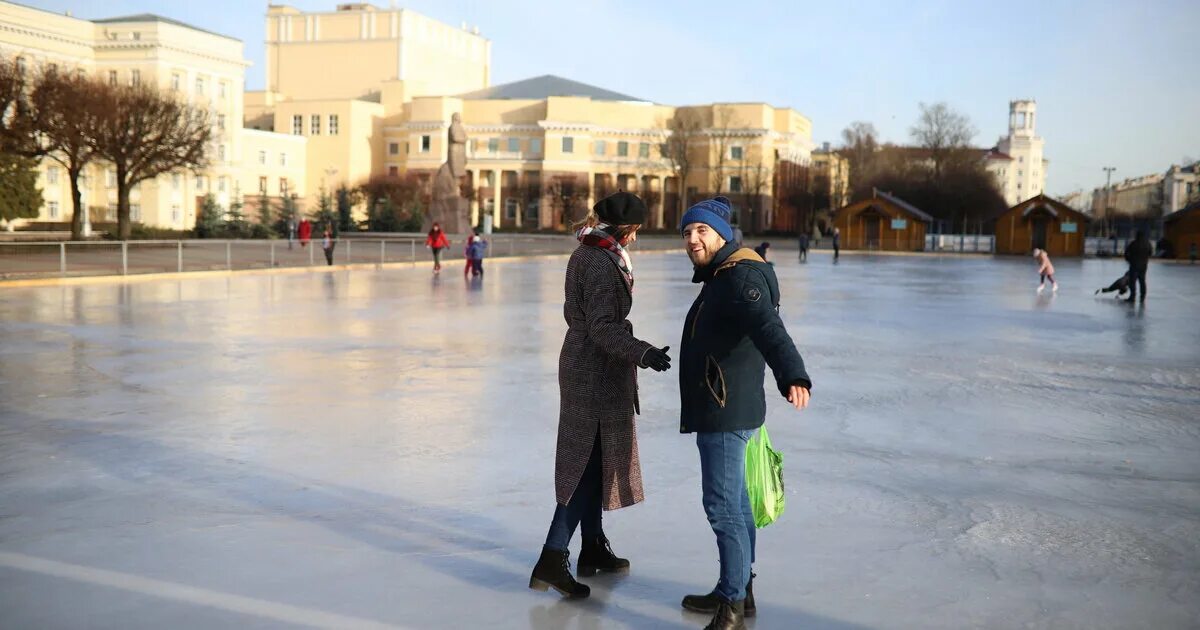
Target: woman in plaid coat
596,465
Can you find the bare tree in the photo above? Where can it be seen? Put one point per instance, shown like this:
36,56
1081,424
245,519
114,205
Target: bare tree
145,133
18,128
675,149
721,133
945,133
860,144
65,108
756,177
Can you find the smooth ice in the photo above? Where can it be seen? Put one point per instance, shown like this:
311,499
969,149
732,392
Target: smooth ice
375,449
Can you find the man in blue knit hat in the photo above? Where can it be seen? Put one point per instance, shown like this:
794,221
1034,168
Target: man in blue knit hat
732,332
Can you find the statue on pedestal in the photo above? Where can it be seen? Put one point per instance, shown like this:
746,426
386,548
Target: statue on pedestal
449,208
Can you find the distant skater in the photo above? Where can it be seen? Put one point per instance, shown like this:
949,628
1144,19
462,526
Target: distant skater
305,232
1045,269
327,244
837,242
804,247
762,250
478,249
436,241
1120,285
467,254
1137,254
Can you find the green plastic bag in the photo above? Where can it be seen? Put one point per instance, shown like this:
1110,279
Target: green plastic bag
764,479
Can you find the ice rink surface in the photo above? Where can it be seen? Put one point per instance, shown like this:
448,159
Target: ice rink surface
375,449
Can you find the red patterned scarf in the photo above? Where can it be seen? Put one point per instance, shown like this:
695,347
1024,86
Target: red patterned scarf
599,236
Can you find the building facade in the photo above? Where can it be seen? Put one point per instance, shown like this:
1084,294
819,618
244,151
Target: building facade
541,150
206,69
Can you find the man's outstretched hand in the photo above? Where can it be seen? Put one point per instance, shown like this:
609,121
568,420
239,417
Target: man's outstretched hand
798,395
657,360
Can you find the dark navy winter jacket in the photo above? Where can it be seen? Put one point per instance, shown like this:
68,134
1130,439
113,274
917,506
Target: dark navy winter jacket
732,332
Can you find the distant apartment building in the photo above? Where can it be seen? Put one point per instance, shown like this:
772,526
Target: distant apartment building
206,69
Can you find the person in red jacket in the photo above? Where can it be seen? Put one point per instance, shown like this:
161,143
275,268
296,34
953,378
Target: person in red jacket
305,232
436,240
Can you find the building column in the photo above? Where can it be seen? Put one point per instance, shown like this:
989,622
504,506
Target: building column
474,213
496,198
661,204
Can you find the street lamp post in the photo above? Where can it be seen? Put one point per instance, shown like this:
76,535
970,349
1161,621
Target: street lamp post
1108,171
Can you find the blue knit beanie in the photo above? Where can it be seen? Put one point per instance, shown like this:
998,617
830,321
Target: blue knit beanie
714,212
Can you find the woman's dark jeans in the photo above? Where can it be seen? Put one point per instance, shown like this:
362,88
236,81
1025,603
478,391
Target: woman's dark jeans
584,507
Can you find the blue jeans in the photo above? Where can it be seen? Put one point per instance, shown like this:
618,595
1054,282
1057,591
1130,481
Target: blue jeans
584,507
727,504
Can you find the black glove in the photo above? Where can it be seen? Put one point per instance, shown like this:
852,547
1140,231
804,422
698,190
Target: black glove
657,360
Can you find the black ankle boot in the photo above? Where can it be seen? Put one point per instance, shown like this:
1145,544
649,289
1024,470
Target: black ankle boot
596,555
709,604
553,570
730,616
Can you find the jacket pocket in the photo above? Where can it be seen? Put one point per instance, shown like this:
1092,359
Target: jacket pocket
714,380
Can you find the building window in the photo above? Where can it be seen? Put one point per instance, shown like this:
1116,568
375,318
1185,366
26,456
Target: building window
110,178
598,147
1020,172
510,209
283,186
221,184
112,77
135,77
221,152
283,159
644,150
175,213
175,181
333,124
426,143
262,185
22,66
393,148
568,144
622,149
201,182
736,153
1020,158
735,184
535,146
393,171
493,145
199,86
262,158
297,125
175,81
315,125
221,122
514,145
52,175
135,212
136,36
222,89
53,207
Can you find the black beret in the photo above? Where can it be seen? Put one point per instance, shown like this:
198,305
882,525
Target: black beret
621,208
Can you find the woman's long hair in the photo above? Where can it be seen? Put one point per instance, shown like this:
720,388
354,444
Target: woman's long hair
619,232
435,229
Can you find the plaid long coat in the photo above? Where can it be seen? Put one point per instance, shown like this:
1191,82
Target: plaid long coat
597,381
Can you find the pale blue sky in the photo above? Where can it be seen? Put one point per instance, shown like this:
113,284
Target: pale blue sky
1116,81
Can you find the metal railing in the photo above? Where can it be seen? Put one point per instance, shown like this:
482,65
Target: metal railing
23,259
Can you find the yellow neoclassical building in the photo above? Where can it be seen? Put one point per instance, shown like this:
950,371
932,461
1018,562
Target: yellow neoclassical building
373,90
364,91
205,68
